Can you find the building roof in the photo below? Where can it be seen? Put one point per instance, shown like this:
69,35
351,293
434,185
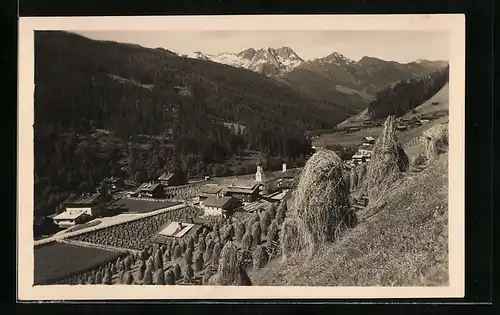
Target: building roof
210,189
268,176
85,199
368,138
217,202
166,176
68,215
357,156
149,186
290,173
112,180
279,195
244,183
173,230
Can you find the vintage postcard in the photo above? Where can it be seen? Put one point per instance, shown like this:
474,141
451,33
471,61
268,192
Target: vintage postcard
234,157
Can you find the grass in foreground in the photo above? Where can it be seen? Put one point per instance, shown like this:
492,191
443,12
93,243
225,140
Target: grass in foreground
56,260
404,244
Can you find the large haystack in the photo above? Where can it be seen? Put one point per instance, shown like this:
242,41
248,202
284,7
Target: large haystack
230,271
295,238
321,199
388,161
435,141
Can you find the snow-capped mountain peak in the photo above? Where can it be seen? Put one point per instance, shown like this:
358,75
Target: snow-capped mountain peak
269,62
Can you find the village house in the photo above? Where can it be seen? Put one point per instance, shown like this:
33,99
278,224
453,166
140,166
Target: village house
368,140
114,183
210,190
81,209
401,127
70,218
151,190
171,179
220,206
286,177
353,129
245,190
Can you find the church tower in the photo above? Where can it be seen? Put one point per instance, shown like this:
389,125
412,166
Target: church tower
259,175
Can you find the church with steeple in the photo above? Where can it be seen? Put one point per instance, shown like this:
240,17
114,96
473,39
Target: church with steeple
266,178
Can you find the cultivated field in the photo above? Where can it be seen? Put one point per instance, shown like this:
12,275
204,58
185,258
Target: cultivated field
134,205
136,234
55,261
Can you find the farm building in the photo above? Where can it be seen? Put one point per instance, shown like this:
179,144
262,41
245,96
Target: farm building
210,190
401,127
151,190
175,231
171,179
90,204
277,196
70,218
220,206
369,140
114,183
286,177
245,190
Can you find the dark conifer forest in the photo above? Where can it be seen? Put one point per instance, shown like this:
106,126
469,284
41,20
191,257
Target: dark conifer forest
105,108
399,98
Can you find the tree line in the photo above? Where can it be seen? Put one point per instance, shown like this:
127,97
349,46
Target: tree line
399,98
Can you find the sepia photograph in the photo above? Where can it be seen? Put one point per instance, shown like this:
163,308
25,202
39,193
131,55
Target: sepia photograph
190,157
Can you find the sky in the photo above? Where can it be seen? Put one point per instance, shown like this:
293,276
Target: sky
400,46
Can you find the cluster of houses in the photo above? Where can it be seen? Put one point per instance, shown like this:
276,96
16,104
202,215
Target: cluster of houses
364,152
223,199
215,199
80,209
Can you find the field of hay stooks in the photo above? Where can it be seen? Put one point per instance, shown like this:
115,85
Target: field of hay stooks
220,253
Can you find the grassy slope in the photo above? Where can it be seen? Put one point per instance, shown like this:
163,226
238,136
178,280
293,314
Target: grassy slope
425,108
354,138
442,97
405,244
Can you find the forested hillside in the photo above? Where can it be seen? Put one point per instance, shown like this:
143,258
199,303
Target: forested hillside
83,85
399,98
